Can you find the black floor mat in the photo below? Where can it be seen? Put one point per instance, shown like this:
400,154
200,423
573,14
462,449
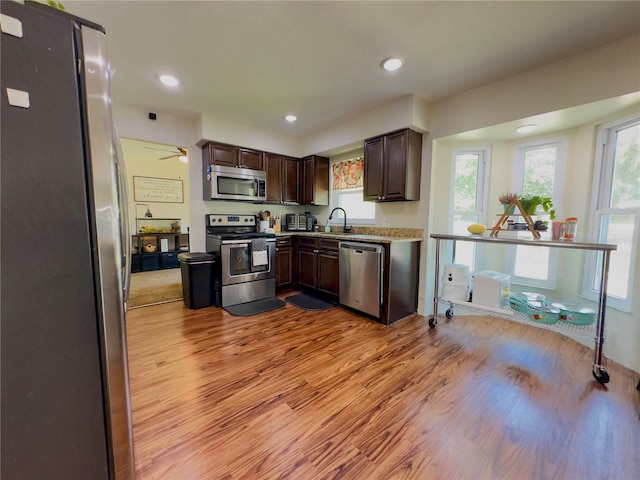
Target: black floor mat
253,308
307,302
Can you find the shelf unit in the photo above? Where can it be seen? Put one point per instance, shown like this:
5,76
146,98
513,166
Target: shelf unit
598,370
156,257
519,317
509,211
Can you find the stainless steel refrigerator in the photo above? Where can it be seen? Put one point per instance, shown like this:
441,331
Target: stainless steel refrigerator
64,239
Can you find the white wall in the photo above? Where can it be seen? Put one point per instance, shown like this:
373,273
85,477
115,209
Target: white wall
220,130
605,72
133,123
394,115
144,162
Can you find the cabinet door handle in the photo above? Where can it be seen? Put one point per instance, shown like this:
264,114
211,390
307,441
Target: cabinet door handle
316,251
383,198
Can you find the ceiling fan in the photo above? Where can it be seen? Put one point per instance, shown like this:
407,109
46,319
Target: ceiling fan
180,153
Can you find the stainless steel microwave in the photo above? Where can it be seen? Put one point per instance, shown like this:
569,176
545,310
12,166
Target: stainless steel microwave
229,183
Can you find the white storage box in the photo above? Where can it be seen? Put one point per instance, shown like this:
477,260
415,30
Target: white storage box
491,288
455,282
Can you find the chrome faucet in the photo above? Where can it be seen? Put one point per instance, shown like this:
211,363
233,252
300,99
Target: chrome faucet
344,228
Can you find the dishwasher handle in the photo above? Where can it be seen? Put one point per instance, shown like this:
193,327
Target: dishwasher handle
360,248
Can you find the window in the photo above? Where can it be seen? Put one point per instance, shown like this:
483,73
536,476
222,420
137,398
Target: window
616,217
469,189
347,191
539,169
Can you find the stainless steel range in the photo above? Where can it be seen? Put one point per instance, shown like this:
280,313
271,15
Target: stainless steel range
247,258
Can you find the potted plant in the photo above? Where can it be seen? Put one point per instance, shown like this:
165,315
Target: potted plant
506,199
530,204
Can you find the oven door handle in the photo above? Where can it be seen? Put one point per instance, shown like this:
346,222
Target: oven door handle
244,241
236,242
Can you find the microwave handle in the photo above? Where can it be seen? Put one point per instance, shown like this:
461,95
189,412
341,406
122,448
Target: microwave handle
256,187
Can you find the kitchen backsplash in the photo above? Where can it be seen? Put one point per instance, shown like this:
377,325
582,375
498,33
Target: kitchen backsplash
230,207
383,231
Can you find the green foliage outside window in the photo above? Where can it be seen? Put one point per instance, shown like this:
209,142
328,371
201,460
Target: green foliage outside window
625,191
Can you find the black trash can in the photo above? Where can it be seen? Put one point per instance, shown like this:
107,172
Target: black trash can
197,271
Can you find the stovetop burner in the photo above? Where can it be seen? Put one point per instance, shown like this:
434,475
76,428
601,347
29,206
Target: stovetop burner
234,227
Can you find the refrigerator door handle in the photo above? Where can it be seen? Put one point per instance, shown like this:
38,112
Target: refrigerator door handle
125,229
109,222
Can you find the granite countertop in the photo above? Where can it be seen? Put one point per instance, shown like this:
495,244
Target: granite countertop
372,237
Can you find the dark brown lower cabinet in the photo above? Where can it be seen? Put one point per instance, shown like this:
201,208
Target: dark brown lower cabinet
284,262
328,272
318,265
307,267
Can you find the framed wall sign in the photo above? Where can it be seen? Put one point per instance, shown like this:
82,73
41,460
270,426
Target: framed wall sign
164,190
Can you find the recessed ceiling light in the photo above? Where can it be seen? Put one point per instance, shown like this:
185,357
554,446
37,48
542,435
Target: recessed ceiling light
526,128
393,63
169,80
290,118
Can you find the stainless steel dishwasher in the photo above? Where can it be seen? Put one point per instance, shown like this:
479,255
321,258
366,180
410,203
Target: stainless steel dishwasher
361,267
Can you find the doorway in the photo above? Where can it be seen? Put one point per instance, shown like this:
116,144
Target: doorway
158,183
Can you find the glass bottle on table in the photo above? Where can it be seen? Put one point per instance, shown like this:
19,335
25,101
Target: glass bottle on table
570,227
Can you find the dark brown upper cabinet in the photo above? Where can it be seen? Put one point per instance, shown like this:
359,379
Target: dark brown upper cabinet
314,184
250,159
392,166
273,167
282,178
290,182
231,156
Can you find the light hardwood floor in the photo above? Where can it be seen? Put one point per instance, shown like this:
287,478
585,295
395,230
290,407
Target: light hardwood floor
320,395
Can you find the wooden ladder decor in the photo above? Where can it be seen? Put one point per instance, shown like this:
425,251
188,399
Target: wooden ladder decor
508,211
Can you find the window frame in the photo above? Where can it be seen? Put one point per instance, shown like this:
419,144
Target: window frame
517,182
338,218
482,195
602,185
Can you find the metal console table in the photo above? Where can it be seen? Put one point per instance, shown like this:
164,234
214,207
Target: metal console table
598,370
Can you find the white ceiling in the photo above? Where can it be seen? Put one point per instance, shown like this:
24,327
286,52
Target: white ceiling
254,62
